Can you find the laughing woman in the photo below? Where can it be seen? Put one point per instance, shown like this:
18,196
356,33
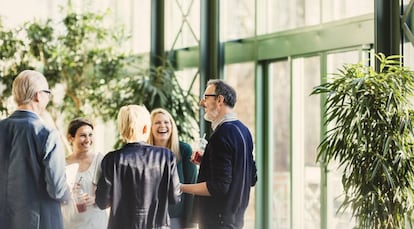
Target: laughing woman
164,133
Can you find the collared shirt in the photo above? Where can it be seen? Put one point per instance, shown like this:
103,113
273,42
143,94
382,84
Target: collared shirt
226,118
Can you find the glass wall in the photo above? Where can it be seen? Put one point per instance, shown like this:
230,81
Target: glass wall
182,24
279,77
242,78
335,61
135,16
338,9
297,176
296,191
311,129
13,14
280,15
189,80
408,46
237,19
409,55
305,131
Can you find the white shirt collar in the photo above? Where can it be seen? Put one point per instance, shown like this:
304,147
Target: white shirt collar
226,118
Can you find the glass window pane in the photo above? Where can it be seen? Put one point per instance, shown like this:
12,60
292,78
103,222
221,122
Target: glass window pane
13,14
130,15
189,80
241,77
312,122
306,132
408,46
139,28
335,189
340,9
280,77
408,55
182,23
236,19
280,15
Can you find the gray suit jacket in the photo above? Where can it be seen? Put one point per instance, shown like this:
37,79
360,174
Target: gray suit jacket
32,173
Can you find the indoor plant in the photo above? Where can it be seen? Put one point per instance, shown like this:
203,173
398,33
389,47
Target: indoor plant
370,135
89,71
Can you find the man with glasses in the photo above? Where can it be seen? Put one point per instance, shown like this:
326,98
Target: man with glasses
227,169
32,161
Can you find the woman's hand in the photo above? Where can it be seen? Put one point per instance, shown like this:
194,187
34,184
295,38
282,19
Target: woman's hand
89,200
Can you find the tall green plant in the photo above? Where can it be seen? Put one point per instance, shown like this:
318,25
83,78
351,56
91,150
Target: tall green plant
369,117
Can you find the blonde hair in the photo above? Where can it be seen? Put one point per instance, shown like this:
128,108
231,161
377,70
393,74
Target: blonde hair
132,119
26,84
173,143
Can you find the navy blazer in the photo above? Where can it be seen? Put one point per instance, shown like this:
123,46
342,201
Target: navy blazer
229,170
32,173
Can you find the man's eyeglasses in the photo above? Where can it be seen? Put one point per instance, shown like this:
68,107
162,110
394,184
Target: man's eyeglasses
48,92
207,95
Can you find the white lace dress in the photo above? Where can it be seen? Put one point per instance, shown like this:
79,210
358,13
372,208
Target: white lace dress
93,217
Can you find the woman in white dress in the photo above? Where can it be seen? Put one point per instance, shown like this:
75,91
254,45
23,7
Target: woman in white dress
80,137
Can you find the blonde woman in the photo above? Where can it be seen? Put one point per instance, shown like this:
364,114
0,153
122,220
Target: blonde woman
139,181
164,133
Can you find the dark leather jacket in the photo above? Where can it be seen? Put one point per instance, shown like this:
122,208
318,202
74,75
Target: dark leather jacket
138,182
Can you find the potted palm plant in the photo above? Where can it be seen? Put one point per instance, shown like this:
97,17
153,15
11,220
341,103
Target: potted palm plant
370,134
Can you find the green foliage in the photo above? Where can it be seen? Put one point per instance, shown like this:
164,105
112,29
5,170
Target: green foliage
371,137
89,72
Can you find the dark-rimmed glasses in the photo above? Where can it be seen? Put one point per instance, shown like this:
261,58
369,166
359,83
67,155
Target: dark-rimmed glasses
207,95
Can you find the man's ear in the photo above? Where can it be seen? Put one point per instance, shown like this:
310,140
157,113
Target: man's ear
36,96
220,99
144,130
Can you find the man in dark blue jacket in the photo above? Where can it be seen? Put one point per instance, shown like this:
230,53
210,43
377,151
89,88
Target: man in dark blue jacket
227,170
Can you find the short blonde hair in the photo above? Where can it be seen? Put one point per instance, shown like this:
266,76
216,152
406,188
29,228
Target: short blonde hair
131,121
26,84
173,143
